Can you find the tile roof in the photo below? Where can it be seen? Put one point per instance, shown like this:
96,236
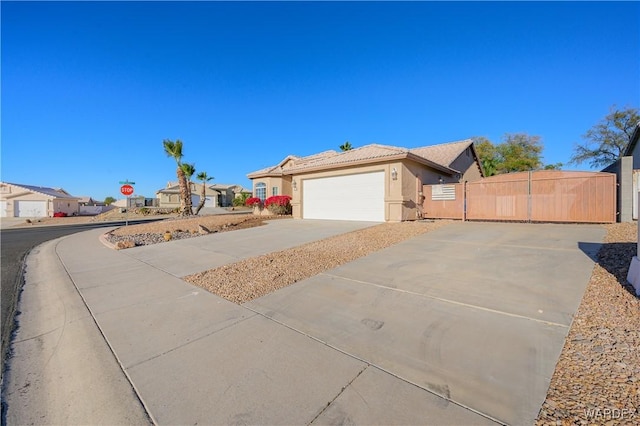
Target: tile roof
278,169
443,154
440,156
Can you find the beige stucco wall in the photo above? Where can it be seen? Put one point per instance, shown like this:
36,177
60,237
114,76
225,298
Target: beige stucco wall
416,175
403,196
467,163
172,200
282,183
11,194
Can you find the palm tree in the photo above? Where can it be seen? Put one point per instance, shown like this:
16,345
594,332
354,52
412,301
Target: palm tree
188,170
204,177
174,150
346,146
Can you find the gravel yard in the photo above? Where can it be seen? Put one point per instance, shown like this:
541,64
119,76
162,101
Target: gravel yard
597,379
179,228
255,277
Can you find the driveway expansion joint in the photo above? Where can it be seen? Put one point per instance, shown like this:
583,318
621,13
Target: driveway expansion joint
440,299
241,320
369,364
339,393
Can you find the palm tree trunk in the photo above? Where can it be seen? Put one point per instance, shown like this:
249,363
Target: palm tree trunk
202,198
185,194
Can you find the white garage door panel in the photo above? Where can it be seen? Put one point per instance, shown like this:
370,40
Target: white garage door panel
32,208
352,197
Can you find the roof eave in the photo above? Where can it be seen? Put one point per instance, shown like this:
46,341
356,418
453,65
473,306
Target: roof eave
386,159
432,164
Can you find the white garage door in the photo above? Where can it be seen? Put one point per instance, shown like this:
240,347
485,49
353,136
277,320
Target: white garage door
351,197
32,208
3,209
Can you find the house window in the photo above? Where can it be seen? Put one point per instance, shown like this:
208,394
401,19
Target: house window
261,191
274,190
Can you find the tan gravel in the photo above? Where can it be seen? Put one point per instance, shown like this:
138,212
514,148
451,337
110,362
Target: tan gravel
597,379
212,222
255,277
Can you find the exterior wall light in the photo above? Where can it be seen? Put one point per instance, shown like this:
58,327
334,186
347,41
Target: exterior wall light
441,180
394,174
295,185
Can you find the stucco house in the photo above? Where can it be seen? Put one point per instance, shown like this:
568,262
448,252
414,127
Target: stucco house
18,200
371,183
216,195
627,170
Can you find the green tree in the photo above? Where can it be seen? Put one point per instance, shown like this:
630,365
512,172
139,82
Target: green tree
519,152
487,154
173,149
556,166
204,177
607,141
109,200
346,146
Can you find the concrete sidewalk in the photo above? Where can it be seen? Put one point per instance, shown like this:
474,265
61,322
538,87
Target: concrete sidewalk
459,326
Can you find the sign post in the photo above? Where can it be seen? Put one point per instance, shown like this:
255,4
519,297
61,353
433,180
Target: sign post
127,190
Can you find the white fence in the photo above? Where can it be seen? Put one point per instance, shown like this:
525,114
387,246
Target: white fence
93,210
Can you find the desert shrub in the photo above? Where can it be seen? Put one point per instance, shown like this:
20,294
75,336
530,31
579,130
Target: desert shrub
238,202
253,202
278,204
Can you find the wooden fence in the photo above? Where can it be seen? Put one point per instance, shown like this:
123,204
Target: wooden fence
540,196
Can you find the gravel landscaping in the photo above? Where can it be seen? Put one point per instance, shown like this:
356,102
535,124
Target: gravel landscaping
180,228
597,378
255,277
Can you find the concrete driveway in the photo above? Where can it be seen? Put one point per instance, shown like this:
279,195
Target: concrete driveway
463,325
476,313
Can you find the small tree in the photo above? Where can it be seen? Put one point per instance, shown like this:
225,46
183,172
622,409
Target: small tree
487,155
608,140
346,146
174,150
204,177
241,199
519,152
109,200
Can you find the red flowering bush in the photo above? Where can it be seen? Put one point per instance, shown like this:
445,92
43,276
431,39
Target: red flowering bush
59,214
253,202
278,204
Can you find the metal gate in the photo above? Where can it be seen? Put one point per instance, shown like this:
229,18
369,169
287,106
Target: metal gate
540,196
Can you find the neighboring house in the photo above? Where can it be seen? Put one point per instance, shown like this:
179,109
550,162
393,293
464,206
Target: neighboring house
627,172
370,183
136,201
633,151
88,201
18,200
217,195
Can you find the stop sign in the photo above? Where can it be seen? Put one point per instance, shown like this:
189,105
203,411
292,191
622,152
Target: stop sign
126,189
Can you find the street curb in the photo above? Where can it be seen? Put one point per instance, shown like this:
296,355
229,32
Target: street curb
106,243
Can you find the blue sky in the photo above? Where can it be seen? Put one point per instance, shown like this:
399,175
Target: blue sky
91,89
